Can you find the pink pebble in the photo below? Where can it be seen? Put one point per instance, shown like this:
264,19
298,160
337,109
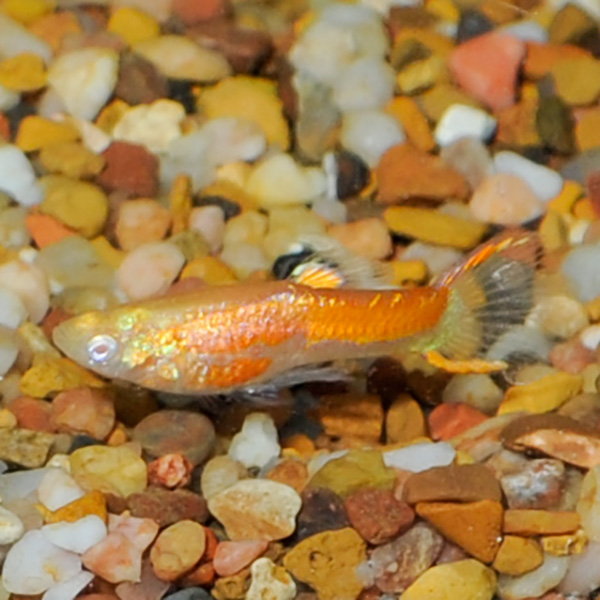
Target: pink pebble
141,532
116,558
487,66
232,557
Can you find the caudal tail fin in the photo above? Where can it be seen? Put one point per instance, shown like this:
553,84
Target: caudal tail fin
490,294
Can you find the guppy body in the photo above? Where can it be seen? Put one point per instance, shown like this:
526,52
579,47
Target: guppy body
218,339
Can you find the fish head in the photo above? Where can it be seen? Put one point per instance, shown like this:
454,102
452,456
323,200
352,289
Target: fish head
99,341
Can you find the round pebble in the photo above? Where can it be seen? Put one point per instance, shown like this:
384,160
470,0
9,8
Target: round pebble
460,121
141,221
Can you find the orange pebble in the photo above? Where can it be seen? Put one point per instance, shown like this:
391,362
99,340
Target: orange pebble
449,420
170,471
413,121
46,230
93,503
4,127
211,544
584,209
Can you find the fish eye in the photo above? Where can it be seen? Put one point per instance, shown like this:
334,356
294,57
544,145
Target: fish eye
102,348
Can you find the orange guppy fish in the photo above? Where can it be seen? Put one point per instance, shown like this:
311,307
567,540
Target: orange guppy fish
216,340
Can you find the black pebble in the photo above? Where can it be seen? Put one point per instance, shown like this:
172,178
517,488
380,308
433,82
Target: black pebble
182,91
229,207
353,175
472,24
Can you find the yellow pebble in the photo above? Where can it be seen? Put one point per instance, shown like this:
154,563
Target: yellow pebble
518,555
111,114
7,419
108,253
422,74
36,132
563,545
587,130
553,231
80,205
583,209
27,11
133,25
93,503
444,9
180,203
541,396
210,269
404,420
436,42
25,72
564,202
409,270
49,374
249,98
72,159
413,121
460,580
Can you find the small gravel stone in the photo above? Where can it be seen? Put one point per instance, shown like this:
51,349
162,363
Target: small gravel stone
149,269
322,510
220,473
57,489
254,509
420,457
141,221
270,582
17,176
77,537
11,527
177,549
176,431
232,557
84,79
461,121
370,133
256,444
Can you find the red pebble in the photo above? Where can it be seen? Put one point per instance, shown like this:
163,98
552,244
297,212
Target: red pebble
192,12
33,414
211,544
449,420
4,127
487,67
170,471
131,169
202,575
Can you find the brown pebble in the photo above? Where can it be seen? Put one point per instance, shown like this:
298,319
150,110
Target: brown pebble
377,515
558,436
454,483
129,168
322,509
139,81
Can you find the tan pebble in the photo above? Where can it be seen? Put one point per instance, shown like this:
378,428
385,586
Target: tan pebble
461,580
291,472
177,549
435,227
474,526
404,420
7,419
141,221
540,522
368,237
327,561
180,203
518,555
256,509
270,582
505,199
249,227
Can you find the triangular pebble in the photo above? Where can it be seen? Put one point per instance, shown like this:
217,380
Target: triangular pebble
486,67
474,526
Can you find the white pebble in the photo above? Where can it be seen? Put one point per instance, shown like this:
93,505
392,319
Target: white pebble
437,258
78,536
369,133
474,389
16,39
279,181
232,139
528,31
584,572
34,564
8,98
69,589
420,457
535,583
367,83
209,221
149,269
20,484
244,259
93,137
590,337
270,582
460,121
589,6
84,79
12,309
58,489
17,177
256,444
545,182
30,284
188,155
11,527
577,230
154,125
581,266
